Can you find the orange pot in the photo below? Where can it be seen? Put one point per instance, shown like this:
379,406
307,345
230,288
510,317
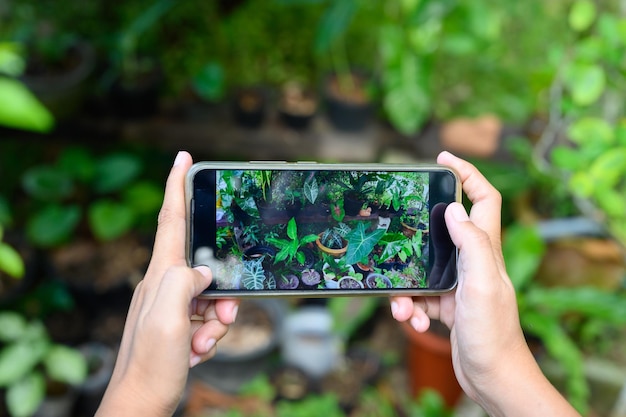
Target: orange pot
429,363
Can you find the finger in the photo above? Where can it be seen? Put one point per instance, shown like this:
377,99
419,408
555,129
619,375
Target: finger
475,251
169,244
226,310
179,286
401,308
486,200
205,337
418,309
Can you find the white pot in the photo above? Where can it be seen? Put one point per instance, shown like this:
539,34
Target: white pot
309,343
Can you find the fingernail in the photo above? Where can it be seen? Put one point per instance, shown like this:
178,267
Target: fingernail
394,308
234,313
204,270
195,359
458,212
179,158
210,344
415,323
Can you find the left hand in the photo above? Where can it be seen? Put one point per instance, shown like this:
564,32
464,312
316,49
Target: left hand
168,329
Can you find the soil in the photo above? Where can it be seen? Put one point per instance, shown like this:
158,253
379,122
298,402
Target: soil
356,94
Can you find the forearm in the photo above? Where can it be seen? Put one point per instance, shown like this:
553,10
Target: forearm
519,389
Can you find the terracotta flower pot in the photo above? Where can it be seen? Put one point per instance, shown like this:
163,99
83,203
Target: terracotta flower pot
336,253
429,364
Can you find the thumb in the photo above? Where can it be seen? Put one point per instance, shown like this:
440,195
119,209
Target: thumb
476,257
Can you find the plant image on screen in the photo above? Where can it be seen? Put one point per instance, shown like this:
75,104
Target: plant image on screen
298,229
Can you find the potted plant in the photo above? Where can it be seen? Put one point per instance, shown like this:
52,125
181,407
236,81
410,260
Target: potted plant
58,64
134,79
333,269
297,106
377,280
333,240
287,281
89,215
246,351
32,369
348,101
412,221
352,281
347,92
310,278
293,248
249,107
429,360
356,189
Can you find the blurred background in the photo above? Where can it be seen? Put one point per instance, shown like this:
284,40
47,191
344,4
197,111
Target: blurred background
96,98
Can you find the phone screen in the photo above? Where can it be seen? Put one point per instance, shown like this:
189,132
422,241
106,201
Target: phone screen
322,231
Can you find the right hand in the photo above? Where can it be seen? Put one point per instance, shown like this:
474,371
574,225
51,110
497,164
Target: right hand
482,312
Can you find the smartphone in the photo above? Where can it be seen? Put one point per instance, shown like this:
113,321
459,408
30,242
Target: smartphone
321,230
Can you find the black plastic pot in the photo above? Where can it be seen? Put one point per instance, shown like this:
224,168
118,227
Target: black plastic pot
249,108
351,203
295,121
64,92
346,113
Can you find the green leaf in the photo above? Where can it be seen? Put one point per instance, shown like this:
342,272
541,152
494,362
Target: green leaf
24,398
10,261
588,301
109,220
586,83
567,158
311,190
612,202
609,168
20,109
523,250
564,350
300,258
361,243
406,101
292,229
582,184
210,82
145,198
19,359
53,224
64,364
590,130
47,183
114,172
582,14
334,24
12,326
78,163
11,60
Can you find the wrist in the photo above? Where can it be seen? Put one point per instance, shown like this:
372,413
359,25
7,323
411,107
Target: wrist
124,400
518,388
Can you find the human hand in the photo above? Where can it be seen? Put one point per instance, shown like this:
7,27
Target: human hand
482,312
491,359
168,329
